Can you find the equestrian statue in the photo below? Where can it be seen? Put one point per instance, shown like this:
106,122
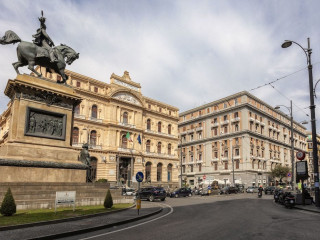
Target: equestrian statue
41,52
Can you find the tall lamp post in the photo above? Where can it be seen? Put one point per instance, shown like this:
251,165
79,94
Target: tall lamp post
180,161
292,143
307,52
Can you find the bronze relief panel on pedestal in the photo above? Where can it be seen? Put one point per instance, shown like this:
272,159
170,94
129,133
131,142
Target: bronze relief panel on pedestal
41,123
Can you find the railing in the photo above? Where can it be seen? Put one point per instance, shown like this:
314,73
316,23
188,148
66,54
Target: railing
79,116
99,147
95,119
127,150
215,124
126,125
77,144
237,119
224,122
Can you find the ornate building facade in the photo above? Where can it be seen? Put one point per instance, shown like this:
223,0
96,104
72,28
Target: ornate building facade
126,131
238,139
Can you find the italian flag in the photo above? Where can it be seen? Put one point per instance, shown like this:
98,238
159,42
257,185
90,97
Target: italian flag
128,137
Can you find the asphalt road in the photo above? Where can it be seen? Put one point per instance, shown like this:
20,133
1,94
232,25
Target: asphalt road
241,216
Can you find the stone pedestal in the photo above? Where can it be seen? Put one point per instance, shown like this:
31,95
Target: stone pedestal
38,145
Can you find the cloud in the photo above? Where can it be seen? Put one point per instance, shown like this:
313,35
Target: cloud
183,53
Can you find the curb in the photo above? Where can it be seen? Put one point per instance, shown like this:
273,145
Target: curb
27,225
308,210
86,230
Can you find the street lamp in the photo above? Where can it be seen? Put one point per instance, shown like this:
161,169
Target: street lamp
292,143
307,52
180,161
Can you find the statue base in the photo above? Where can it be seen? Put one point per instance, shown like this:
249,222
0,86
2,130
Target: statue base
37,146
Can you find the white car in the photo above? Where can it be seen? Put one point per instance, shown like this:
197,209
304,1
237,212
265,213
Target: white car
252,190
129,192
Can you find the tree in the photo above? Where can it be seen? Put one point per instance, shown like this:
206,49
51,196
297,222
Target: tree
8,206
280,172
108,202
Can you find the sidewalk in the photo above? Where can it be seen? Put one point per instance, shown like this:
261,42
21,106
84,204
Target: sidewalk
310,208
81,225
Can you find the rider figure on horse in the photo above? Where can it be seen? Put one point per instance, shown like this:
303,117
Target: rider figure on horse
42,39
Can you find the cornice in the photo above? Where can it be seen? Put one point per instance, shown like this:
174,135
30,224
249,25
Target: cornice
238,134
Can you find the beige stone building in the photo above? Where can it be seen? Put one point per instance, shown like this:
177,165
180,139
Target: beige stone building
111,118
239,136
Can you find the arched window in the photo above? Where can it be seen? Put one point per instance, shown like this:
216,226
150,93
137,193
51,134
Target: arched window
169,172
125,117
93,138
148,146
93,169
159,172
124,141
169,149
169,129
159,147
149,124
75,135
148,172
159,127
94,111
77,109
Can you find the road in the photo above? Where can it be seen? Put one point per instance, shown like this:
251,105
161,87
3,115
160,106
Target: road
241,216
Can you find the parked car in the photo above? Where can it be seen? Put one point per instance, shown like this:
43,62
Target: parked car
228,190
129,191
269,190
252,190
181,192
152,193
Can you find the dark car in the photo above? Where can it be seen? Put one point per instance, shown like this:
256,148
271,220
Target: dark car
152,193
228,190
269,190
181,192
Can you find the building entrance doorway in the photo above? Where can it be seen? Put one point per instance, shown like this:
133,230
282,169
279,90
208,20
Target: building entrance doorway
125,170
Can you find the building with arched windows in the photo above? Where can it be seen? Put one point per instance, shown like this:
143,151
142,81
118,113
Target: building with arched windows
126,131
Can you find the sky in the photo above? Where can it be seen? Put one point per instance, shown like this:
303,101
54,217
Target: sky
183,53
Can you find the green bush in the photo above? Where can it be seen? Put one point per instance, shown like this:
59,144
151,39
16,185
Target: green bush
103,180
8,206
108,202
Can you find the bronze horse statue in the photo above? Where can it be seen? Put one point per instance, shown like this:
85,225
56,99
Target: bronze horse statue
30,54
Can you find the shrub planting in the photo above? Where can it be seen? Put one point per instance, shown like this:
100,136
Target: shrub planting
8,206
108,202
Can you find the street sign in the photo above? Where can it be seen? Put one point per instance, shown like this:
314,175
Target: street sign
301,171
301,155
139,176
289,174
204,177
209,187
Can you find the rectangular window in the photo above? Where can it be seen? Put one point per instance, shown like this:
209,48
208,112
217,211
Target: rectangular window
95,89
226,165
236,152
237,164
215,166
78,84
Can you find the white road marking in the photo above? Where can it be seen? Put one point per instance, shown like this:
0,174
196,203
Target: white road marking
137,225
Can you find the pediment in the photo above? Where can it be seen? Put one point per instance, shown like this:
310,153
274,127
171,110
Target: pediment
127,97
